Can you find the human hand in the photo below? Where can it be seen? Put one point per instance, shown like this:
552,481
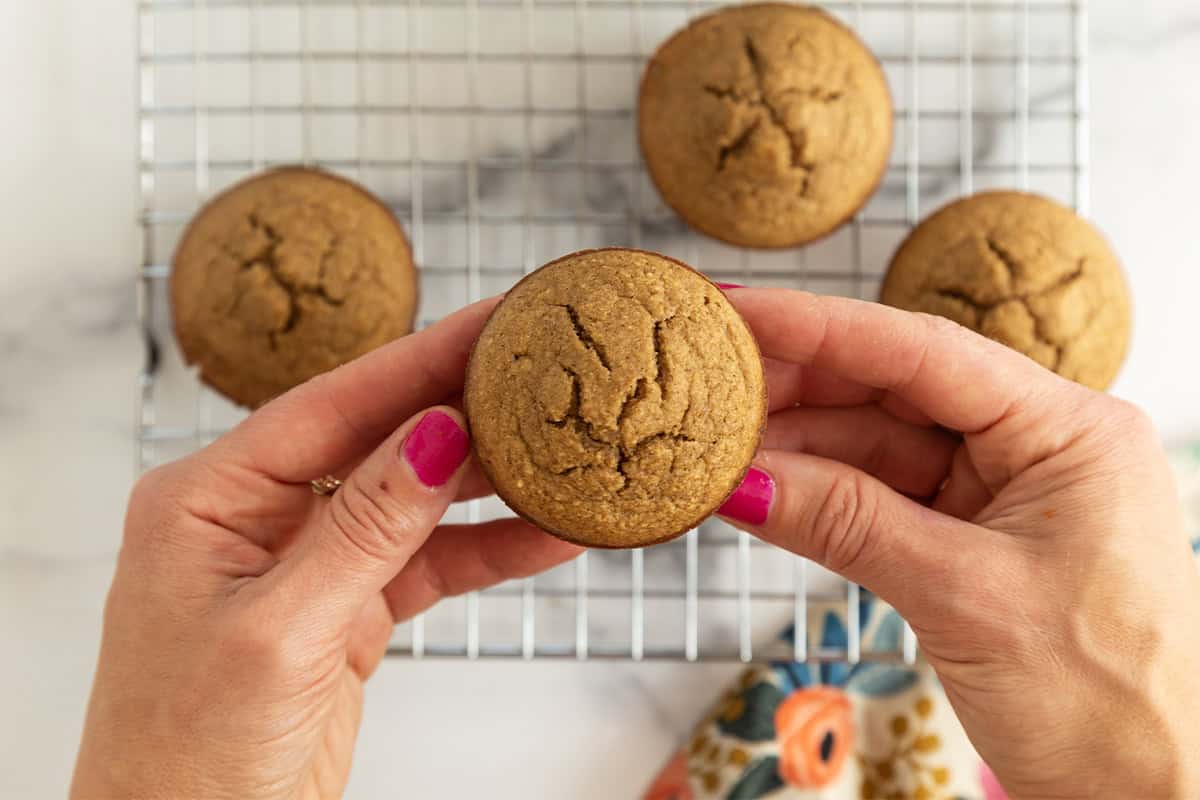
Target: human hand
1025,526
246,612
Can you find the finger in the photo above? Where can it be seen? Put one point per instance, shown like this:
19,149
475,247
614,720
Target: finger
960,379
794,384
911,459
904,411
270,514
380,516
463,558
341,415
849,522
474,483
964,494
790,384
1017,413
473,486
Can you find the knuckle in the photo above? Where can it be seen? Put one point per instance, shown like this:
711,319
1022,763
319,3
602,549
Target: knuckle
155,505
947,330
942,328
372,522
1132,419
939,325
1114,426
844,523
172,485
149,488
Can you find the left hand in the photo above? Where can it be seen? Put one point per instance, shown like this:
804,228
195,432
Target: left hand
246,612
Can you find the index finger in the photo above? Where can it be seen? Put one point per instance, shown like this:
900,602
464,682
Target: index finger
342,414
962,380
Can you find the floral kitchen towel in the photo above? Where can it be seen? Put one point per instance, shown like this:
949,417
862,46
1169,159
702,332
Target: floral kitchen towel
791,731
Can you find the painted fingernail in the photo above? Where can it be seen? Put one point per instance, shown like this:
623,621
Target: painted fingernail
752,500
730,286
436,448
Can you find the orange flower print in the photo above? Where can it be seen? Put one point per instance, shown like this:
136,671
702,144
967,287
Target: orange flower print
672,782
815,734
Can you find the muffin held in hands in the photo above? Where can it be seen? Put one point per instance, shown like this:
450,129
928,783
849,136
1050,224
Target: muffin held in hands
1025,271
765,125
286,275
615,398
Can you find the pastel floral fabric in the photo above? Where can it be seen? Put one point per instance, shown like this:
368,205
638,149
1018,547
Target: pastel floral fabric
793,731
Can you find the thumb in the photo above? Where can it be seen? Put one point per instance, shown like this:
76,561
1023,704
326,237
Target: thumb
383,512
849,522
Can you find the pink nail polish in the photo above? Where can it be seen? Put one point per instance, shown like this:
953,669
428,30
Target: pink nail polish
730,286
752,500
436,448
992,790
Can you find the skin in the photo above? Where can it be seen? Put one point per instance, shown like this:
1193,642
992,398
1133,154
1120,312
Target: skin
1026,527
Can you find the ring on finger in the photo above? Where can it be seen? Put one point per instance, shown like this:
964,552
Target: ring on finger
325,486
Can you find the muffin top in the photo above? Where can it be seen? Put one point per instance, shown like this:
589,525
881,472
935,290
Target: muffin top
765,125
1025,271
615,398
286,275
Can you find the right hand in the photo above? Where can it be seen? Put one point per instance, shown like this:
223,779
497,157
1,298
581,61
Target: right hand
1043,565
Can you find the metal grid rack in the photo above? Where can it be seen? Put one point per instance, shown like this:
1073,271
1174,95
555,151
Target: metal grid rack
501,132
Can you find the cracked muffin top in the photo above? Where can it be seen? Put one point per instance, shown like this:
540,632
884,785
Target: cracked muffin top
1024,271
286,275
765,125
615,398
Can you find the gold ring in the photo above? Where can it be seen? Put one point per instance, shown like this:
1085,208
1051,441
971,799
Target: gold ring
325,486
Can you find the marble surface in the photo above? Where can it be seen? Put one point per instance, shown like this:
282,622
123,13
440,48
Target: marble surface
70,353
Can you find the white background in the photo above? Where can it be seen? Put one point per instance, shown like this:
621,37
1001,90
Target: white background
69,354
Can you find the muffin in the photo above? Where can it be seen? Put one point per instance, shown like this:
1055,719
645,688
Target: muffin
765,125
286,275
615,398
1025,271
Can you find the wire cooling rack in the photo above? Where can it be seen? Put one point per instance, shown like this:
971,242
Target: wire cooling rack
501,133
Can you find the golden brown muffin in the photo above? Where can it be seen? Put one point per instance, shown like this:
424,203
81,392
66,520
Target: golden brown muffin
1024,271
286,275
765,125
615,398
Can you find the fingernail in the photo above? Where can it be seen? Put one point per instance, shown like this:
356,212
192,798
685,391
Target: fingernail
730,286
436,448
752,500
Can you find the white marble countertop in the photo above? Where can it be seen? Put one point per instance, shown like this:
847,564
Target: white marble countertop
69,353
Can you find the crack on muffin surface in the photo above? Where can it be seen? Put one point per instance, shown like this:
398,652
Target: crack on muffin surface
287,275
738,142
267,260
619,436
1024,271
1013,317
622,415
584,337
765,125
